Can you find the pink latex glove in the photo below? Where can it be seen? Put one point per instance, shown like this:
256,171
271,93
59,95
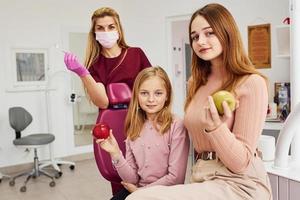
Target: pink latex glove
74,65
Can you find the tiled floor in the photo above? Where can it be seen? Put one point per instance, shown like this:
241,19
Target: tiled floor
84,183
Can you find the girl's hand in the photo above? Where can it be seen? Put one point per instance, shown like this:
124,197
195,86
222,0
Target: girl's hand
214,120
130,187
110,145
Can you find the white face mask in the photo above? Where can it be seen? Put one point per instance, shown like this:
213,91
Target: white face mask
107,39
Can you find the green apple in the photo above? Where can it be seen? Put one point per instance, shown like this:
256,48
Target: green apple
221,96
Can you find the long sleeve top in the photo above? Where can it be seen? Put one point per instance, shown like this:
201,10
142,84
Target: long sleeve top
236,147
156,159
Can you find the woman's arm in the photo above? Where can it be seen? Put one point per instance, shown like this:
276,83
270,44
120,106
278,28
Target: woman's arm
96,91
236,148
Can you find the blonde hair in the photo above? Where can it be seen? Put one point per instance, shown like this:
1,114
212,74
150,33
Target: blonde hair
93,48
235,59
136,117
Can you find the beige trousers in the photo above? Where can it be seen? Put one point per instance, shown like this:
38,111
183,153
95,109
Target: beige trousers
211,180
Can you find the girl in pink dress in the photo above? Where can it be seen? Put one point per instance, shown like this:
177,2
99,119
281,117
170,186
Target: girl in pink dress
157,144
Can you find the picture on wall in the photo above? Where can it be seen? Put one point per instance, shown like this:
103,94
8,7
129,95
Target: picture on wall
30,66
259,45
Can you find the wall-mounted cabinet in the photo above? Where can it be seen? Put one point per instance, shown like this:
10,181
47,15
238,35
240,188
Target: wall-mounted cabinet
283,41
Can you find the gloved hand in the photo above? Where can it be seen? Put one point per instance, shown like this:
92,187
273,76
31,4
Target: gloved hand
74,65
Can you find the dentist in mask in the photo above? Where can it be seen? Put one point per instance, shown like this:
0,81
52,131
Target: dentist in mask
108,58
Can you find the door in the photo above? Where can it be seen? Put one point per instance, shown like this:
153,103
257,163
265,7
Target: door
84,111
179,60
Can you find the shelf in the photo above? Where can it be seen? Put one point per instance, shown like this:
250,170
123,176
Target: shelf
273,125
283,41
284,26
283,56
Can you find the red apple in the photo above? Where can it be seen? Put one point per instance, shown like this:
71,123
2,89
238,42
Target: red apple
101,131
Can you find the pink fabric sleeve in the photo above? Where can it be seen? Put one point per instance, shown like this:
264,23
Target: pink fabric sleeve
127,169
236,148
179,149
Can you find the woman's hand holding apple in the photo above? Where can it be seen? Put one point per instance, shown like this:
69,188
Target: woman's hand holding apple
221,96
213,119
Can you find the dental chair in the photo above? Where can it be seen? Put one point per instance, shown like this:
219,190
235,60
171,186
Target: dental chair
119,96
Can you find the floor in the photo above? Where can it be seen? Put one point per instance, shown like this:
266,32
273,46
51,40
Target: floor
83,183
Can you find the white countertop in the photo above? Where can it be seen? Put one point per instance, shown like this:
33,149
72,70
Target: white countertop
273,125
292,172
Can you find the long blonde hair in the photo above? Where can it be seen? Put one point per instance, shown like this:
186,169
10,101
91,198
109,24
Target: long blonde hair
136,117
235,59
93,48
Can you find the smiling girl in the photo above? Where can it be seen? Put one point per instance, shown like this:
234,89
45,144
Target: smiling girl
157,144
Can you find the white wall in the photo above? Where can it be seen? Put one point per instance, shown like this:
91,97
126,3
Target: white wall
32,24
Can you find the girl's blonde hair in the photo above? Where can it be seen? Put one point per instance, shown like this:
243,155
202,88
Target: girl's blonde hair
136,117
235,59
93,48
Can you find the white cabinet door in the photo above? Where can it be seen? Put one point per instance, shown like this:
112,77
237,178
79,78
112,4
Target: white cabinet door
283,186
274,185
294,190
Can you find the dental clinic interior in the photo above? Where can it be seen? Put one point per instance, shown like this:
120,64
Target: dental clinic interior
56,102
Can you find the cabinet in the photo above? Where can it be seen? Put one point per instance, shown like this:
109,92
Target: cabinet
294,190
283,188
274,185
